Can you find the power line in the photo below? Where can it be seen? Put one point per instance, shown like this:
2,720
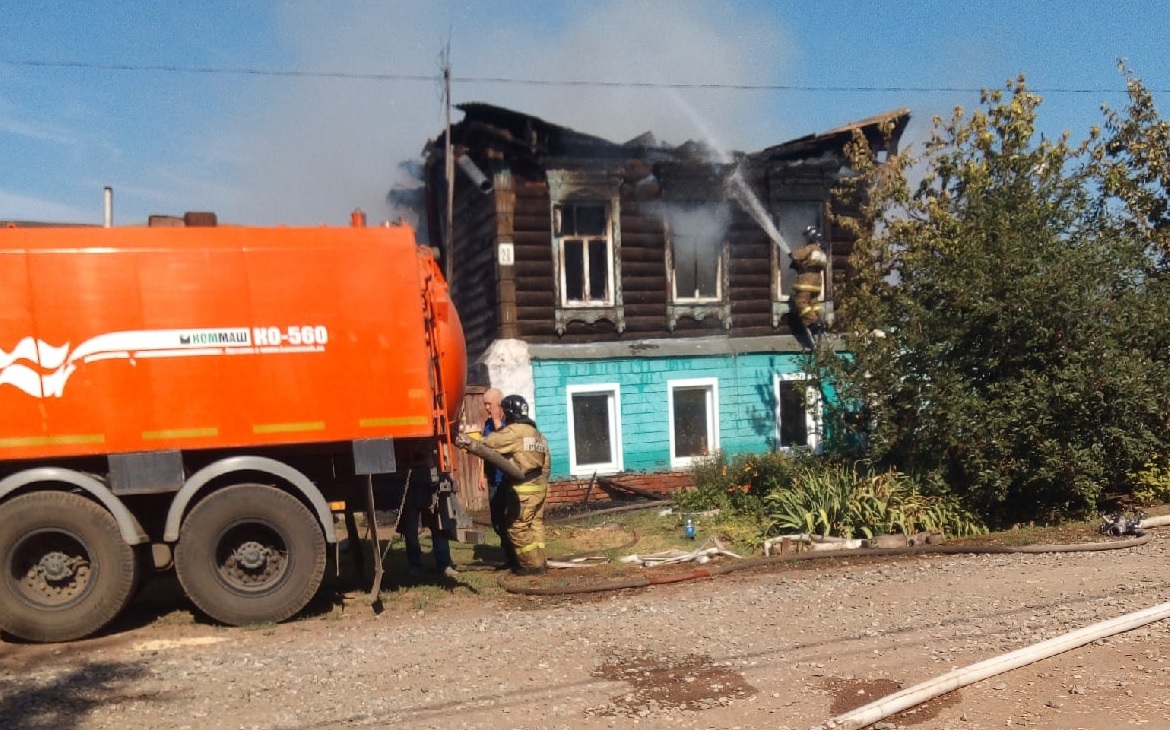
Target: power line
433,78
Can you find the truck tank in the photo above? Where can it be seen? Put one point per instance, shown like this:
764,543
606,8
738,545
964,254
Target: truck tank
208,397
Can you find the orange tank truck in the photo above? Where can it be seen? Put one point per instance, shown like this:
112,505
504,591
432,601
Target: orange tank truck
208,398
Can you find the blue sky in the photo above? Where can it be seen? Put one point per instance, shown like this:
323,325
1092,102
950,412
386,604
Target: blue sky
104,92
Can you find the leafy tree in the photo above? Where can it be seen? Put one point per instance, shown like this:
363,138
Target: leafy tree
1006,320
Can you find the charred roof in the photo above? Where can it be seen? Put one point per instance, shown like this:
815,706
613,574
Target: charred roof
518,135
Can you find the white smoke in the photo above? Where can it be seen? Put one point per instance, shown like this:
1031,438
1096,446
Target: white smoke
308,150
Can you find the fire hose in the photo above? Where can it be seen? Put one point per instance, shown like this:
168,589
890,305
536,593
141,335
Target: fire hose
711,571
916,695
925,691
491,456
875,711
919,693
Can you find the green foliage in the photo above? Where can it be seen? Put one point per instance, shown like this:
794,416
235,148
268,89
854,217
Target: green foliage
766,494
838,500
1152,484
1009,321
735,484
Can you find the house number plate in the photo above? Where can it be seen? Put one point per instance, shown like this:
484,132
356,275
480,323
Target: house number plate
507,253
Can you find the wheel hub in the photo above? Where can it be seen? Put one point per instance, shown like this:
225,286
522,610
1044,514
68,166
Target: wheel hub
54,569
251,556
56,566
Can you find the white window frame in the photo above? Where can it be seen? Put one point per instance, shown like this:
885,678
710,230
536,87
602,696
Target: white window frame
813,414
614,391
590,300
711,387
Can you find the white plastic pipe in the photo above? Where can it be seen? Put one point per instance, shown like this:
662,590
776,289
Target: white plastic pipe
916,695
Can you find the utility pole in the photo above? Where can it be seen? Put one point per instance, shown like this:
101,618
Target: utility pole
448,164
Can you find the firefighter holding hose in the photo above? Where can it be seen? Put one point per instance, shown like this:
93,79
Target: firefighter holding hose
521,451
809,262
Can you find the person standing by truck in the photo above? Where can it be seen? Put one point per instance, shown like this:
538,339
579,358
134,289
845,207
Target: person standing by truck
526,447
498,491
420,508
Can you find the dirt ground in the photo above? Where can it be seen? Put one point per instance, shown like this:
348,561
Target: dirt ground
777,646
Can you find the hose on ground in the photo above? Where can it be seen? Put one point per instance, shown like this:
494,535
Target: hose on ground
710,571
608,511
869,714
919,693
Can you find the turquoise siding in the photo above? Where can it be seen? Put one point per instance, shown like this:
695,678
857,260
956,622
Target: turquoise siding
746,402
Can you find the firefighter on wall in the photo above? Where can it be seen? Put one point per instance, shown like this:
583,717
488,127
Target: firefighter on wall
527,448
809,261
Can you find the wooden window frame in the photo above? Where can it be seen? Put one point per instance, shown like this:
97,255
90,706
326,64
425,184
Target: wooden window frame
575,187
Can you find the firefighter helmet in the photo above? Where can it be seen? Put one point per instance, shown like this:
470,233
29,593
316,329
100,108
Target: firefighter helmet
812,235
514,407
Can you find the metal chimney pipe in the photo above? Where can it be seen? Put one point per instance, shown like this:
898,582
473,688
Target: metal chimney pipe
480,180
109,206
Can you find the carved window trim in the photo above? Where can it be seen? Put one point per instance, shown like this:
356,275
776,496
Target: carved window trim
568,187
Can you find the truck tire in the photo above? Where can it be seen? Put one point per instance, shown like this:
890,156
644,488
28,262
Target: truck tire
249,554
67,572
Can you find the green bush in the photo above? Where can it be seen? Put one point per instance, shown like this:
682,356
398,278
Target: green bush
735,484
775,493
1151,485
1007,320
836,499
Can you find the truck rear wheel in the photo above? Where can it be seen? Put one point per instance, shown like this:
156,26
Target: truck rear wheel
67,572
250,553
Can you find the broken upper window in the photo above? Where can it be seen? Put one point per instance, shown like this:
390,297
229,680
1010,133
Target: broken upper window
586,253
697,252
791,220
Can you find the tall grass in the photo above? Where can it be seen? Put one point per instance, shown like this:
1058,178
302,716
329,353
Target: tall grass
784,493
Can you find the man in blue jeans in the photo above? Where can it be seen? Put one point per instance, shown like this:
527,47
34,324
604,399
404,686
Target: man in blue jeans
419,509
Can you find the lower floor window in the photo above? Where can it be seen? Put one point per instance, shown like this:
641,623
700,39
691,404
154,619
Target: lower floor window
693,416
594,429
798,412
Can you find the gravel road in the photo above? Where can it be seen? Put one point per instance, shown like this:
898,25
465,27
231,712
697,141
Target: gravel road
778,647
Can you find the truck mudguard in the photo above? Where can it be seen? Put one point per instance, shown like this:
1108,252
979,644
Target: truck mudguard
131,530
247,463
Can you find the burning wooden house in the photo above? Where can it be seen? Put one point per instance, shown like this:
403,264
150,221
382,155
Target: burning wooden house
636,294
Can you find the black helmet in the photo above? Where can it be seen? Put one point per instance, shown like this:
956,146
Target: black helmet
812,235
515,408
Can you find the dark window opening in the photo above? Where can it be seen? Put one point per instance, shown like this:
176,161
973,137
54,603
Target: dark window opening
793,414
690,422
574,270
591,434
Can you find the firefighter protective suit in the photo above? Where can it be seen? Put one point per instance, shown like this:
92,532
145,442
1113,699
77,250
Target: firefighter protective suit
809,261
527,448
